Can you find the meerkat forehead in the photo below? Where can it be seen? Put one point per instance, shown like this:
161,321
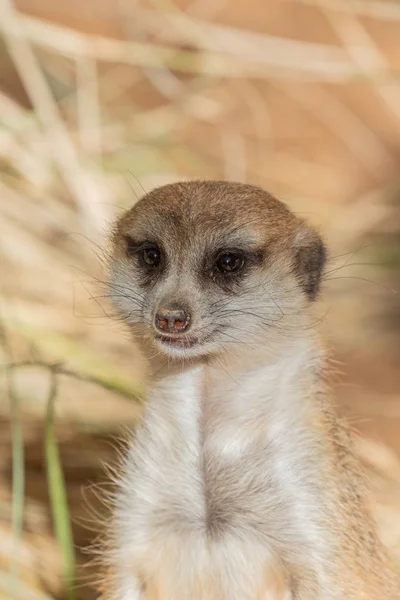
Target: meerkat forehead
209,209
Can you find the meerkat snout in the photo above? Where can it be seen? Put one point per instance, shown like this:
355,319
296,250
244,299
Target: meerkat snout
203,267
172,320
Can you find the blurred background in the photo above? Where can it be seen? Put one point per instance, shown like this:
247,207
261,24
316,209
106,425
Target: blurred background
103,100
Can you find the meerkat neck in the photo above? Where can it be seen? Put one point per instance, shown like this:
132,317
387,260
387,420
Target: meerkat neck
247,379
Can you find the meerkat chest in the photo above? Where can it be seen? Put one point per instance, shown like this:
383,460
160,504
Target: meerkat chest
206,465
204,511
208,484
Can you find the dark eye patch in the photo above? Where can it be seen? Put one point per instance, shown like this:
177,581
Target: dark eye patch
149,256
134,247
131,245
227,266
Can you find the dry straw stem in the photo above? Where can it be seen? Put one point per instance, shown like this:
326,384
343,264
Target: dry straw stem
234,155
258,111
27,156
206,8
14,115
226,52
367,56
163,120
36,213
24,592
177,27
23,159
377,9
181,96
82,186
88,106
107,382
164,80
342,121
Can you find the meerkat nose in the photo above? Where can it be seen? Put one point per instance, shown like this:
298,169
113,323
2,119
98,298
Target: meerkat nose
172,320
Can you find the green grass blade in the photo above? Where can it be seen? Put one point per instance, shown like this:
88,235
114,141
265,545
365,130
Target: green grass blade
18,477
58,496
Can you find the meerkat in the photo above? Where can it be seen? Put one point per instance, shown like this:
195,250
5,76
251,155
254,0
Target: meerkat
240,482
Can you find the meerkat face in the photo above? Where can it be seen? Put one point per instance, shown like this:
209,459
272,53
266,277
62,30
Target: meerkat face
205,267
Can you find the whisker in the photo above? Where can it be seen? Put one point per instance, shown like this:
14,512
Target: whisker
382,285
348,265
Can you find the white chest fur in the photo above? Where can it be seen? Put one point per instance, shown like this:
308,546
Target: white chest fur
216,497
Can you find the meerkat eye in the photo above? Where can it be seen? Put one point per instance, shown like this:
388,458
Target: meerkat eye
229,262
151,256
148,253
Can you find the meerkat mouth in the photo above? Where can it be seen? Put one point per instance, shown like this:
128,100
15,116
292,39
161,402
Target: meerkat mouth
178,342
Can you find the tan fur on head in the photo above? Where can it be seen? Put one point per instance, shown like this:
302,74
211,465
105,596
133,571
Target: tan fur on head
240,482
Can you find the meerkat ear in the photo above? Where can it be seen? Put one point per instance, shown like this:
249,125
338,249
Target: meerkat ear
309,260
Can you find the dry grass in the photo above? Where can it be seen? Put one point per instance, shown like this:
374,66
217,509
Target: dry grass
301,97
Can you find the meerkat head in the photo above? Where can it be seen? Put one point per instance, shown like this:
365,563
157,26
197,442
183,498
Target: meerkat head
204,267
